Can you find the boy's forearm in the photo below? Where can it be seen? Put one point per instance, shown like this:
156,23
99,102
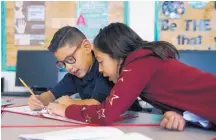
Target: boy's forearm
47,97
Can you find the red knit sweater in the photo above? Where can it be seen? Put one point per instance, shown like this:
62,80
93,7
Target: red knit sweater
164,83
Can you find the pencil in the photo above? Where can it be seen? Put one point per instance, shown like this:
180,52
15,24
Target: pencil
26,86
29,89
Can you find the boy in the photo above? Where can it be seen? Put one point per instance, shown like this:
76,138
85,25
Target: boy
74,53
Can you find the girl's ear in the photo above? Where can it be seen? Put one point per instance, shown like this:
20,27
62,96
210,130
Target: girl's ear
119,65
120,61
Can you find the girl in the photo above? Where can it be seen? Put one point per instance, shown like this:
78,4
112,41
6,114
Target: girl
151,71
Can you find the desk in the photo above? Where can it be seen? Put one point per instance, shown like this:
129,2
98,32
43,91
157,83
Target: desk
154,132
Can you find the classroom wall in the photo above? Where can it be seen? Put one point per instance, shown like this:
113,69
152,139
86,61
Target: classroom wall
141,19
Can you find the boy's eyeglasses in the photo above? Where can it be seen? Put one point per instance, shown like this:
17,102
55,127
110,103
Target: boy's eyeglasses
68,60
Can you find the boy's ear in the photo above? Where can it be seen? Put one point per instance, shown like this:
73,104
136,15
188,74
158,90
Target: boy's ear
87,46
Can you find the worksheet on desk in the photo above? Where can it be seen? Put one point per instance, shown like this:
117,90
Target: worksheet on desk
25,110
28,111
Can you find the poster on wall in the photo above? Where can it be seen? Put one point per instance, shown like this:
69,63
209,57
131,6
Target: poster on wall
29,20
187,25
91,16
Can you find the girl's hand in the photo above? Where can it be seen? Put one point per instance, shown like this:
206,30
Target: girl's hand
173,121
57,109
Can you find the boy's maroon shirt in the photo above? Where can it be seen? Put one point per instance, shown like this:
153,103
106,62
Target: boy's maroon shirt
167,84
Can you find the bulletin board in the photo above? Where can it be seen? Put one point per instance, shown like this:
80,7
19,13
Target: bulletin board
187,25
30,25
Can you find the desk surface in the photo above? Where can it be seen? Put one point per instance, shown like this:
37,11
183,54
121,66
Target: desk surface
154,132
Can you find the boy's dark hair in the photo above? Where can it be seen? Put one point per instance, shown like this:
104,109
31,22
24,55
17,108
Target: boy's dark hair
118,40
64,36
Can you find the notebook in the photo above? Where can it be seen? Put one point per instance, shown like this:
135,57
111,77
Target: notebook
25,110
86,133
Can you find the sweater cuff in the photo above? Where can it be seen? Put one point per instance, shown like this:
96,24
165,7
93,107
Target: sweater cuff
74,112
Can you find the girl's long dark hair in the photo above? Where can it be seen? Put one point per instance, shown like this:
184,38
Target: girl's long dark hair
118,41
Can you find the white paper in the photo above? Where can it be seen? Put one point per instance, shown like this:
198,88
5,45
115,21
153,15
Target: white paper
25,110
62,118
36,13
129,136
22,39
82,133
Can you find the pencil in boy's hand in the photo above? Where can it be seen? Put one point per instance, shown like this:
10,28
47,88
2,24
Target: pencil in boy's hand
29,90
26,86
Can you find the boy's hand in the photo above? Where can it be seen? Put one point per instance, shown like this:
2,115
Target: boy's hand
35,103
173,121
65,100
56,109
